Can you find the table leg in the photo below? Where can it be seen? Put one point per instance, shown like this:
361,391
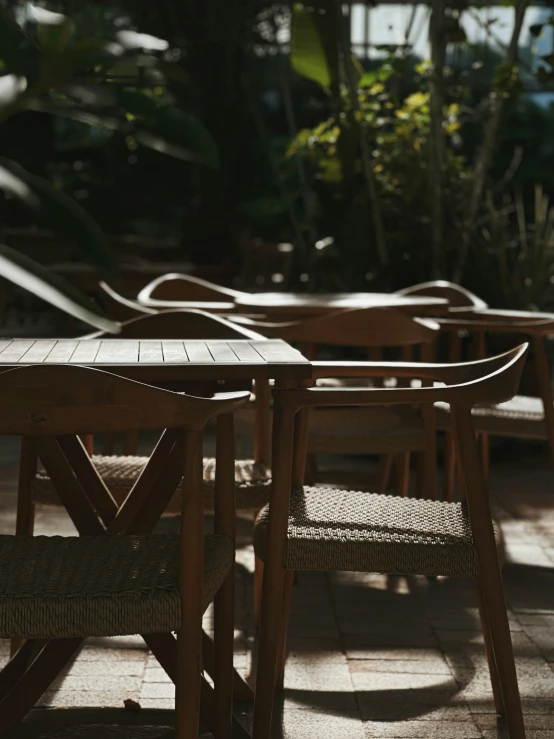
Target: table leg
25,679
35,681
274,573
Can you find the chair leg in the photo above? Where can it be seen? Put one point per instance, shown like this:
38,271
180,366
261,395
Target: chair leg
484,453
502,648
191,584
34,682
109,445
493,671
224,642
130,443
384,472
449,466
258,586
25,517
403,474
268,655
283,628
310,474
224,606
490,576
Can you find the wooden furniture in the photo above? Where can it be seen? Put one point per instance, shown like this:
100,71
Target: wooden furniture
116,578
119,308
317,529
459,299
520,417
120,472
393,432
176,290
296,306
198,367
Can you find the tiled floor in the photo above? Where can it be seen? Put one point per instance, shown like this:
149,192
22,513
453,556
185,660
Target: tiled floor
369,656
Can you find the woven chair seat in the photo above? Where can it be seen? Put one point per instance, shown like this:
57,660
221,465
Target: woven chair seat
119,472
338,530
523,416
61,587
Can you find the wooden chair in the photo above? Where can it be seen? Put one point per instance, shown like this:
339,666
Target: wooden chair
116,577
460,299
393,433
523,416
179,287
316,529
119,308
120,472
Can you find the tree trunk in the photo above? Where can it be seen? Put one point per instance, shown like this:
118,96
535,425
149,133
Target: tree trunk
437,38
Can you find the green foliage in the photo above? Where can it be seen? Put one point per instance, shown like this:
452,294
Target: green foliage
116,81
397,131
520,245
314,43
42,282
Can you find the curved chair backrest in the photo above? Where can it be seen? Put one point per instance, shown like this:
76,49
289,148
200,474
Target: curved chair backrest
486,381
175,286
119,308
58,400
181,324
368,327
457,295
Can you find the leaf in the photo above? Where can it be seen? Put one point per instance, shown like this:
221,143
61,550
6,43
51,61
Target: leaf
11,87
314,44
134,40
13,43
169,130
42,282
75,112
54,30
58,211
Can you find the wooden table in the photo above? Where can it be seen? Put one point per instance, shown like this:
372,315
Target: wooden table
165,360
302,305
212,363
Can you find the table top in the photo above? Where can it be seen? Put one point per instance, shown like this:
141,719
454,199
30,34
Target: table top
162,360
302,303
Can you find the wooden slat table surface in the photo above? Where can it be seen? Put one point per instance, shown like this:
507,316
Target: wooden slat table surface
164,360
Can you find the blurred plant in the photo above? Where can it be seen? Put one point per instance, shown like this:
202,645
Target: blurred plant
521,249
397,132
49,63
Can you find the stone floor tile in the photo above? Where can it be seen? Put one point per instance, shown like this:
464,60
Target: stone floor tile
422,667
157,675
98,683
421,730
317,725
158,690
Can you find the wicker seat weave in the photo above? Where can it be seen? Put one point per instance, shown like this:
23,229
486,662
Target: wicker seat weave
119,472
522,416
337,530
56,587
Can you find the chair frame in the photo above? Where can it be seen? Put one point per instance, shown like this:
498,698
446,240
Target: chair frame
175,286
535,327
374,329
50,406
469,384
461,300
